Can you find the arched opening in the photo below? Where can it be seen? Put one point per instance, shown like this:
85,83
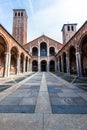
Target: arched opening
43,65
21,62
34,51
72,57
14,56
52,51
34,65
60,64
43,49
64,62
26,65
52,66
3,48
84,57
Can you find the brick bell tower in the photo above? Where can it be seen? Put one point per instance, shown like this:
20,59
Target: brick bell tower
20,25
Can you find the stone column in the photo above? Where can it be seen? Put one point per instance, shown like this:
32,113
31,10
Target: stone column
67,63
24,65
55,66
78,63
47,51
62,63
18,64
28,66
7,64
39,68
47,66
58,66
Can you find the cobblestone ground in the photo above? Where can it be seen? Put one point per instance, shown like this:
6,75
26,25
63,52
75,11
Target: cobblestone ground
43,101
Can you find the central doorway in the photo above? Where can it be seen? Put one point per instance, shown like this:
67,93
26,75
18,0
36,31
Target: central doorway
43,65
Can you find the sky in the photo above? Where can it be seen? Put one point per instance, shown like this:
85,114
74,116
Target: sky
44,16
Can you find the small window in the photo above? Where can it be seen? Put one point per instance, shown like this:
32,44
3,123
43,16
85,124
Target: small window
68,28
72,28
19,14
16,14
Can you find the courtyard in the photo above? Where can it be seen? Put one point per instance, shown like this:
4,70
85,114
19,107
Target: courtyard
43,101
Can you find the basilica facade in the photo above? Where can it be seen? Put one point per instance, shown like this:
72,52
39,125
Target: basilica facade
43,53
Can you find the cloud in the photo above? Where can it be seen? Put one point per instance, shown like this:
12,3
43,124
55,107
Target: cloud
51,19
46,16
29,5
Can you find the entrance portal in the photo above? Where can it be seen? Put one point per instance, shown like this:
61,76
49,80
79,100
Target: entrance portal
43,65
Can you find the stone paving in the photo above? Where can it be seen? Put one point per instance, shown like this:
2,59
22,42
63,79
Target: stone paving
65,98
43,101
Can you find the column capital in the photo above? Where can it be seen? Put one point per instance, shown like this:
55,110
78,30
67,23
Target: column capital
7,52
78,53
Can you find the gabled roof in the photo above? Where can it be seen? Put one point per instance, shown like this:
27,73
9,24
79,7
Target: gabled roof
42,36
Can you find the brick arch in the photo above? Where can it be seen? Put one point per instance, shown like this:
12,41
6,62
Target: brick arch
52,52
34,46
5,42
4,47
52,65
43,49
43,64
72,59
14,59
33,51
71,47
16,48
35,65
81,40
83,52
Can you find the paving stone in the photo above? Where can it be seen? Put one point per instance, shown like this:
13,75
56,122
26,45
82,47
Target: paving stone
28,101
67,90
67,94
33,97
11,101
68,109
65,122
80,101
62,101
17,108
21,121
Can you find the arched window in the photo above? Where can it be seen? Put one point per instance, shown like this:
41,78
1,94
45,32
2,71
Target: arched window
52,51
43,49
34,51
